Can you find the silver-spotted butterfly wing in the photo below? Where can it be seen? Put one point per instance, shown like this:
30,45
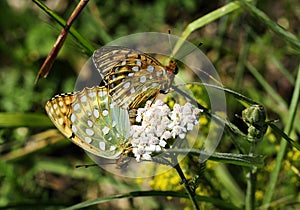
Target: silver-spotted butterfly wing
92,120
131,76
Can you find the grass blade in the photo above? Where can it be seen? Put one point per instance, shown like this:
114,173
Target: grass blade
291,117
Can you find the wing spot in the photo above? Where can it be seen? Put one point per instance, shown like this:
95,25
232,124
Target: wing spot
88,140
90,123
135,68
154,84
102,93
89,132
74,129
143,79
60,121
150,69
96,113
132,90
112,105
102,145
112,148
61,104
105,113
92,94
139,63
76,107
83,99
126,85
105,130
73,118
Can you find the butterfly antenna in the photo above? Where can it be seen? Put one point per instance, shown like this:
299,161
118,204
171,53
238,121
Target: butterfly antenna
189,51
85,165
170,43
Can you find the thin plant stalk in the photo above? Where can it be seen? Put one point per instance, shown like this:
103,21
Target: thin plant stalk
265,84
204,20
60,41
284,34
187,187
251,183
283,144
251,188
86,46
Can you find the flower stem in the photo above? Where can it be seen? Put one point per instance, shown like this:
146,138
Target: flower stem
251,183
187,187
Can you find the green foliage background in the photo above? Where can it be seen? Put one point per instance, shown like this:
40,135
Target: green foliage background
37,168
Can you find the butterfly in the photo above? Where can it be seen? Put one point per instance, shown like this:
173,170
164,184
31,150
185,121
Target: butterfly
92,120
133,77
97,118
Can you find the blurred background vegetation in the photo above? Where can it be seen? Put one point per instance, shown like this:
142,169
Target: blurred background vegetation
37,166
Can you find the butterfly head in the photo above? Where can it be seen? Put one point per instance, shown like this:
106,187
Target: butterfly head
172,70
172,67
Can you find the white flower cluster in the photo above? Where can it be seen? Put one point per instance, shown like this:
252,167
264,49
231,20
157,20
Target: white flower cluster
158,124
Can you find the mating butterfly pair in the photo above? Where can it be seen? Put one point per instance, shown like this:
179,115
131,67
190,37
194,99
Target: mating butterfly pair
96,119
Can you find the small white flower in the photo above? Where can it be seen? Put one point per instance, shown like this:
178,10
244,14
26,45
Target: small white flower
162,143
176,130
165,109
158,103
190,126
160,130
154,140
166,135
158,125
187,109
150,148
182,135
176,108
138,118
147,156
197,111
157,148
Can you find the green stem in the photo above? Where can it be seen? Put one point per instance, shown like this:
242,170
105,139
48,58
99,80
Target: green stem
251,186
281,32
251,183
291,117
200,22
87,47
187,187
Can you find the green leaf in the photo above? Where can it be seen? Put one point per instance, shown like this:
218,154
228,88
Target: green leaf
24,120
